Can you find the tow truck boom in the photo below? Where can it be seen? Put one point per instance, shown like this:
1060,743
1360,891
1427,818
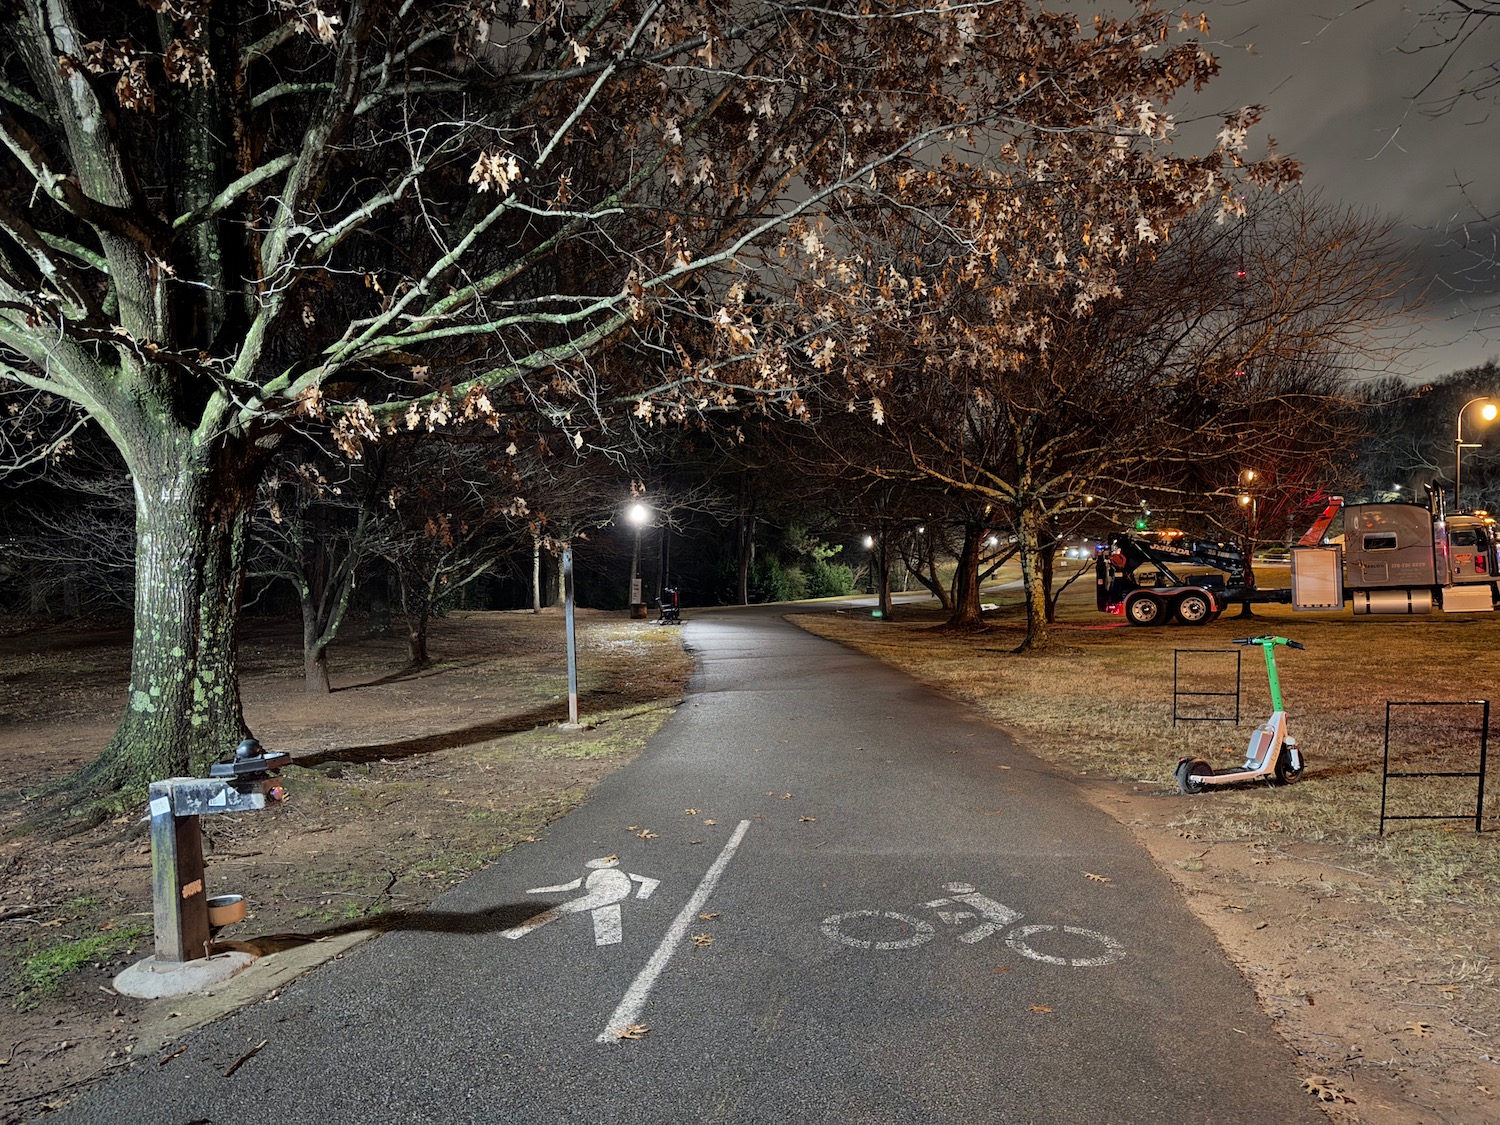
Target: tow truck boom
1124,586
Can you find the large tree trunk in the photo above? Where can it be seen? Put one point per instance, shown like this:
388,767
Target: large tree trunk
1030,540
183,710
314,654
416,639
965,613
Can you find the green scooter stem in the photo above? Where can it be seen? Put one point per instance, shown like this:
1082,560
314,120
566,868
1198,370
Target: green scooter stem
1268,644
1271,677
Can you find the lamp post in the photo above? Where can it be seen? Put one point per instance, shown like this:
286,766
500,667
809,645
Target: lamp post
637,514
1487,412
1251,504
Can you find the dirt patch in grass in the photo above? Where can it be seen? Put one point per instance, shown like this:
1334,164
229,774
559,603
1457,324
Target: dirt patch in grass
1375,956
403,784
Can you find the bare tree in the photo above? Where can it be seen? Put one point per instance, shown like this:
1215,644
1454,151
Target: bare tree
316,529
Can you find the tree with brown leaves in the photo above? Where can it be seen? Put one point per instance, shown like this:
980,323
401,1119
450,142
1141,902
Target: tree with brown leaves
220,218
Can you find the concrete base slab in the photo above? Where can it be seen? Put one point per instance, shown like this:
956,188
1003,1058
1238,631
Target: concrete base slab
274,963
151,979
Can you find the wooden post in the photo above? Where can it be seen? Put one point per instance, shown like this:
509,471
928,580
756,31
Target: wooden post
179,901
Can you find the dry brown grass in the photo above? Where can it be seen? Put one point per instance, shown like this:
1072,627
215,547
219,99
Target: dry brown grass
1100,703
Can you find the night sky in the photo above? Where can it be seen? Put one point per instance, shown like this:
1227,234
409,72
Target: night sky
1338,78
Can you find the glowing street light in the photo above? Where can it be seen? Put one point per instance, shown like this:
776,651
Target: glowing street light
1487,412
638,514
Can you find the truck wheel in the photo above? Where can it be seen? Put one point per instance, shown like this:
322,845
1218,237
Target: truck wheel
1184,775
1194,609
1143,609
1285,774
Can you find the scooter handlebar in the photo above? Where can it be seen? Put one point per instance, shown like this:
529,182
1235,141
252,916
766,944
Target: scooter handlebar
1268,640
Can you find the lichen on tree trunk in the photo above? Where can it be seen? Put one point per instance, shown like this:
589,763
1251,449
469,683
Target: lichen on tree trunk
183,707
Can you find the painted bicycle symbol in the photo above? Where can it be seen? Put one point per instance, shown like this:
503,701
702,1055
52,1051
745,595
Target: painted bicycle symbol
981,917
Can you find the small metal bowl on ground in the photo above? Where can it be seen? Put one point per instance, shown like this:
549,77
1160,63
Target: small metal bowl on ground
226,909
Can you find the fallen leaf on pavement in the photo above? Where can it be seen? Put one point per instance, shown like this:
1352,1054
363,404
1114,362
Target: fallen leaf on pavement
708,915
1096,878
634,1031
1038,1008
809,820
703,939
691,812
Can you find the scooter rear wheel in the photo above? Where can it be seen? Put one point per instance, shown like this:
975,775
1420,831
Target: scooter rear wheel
1286,773
1186,782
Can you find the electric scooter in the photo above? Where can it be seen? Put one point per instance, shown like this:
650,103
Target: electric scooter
1272,753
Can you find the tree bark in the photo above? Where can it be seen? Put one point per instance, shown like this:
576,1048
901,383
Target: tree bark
183,709
965,612
884,557
1030,539
536,574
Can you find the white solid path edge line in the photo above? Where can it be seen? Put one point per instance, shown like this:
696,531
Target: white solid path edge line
630,1007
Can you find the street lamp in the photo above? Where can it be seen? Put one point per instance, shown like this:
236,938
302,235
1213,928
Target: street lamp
1487,412
637,514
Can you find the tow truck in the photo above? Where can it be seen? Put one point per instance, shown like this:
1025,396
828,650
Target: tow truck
1391,558
1162,576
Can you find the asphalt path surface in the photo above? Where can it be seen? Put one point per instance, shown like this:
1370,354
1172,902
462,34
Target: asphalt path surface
830,894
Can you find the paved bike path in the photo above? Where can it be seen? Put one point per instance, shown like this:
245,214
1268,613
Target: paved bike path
848,802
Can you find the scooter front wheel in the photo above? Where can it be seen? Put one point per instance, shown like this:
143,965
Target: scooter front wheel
1286,773
1185,771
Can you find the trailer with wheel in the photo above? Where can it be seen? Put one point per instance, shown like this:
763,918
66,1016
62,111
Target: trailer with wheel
1158,577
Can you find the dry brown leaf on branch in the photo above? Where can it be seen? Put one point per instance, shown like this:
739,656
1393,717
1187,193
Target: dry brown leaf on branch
633,1031
1324,1090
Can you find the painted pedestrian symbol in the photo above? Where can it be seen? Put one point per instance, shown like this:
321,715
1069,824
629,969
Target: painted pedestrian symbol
605,888
982,917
